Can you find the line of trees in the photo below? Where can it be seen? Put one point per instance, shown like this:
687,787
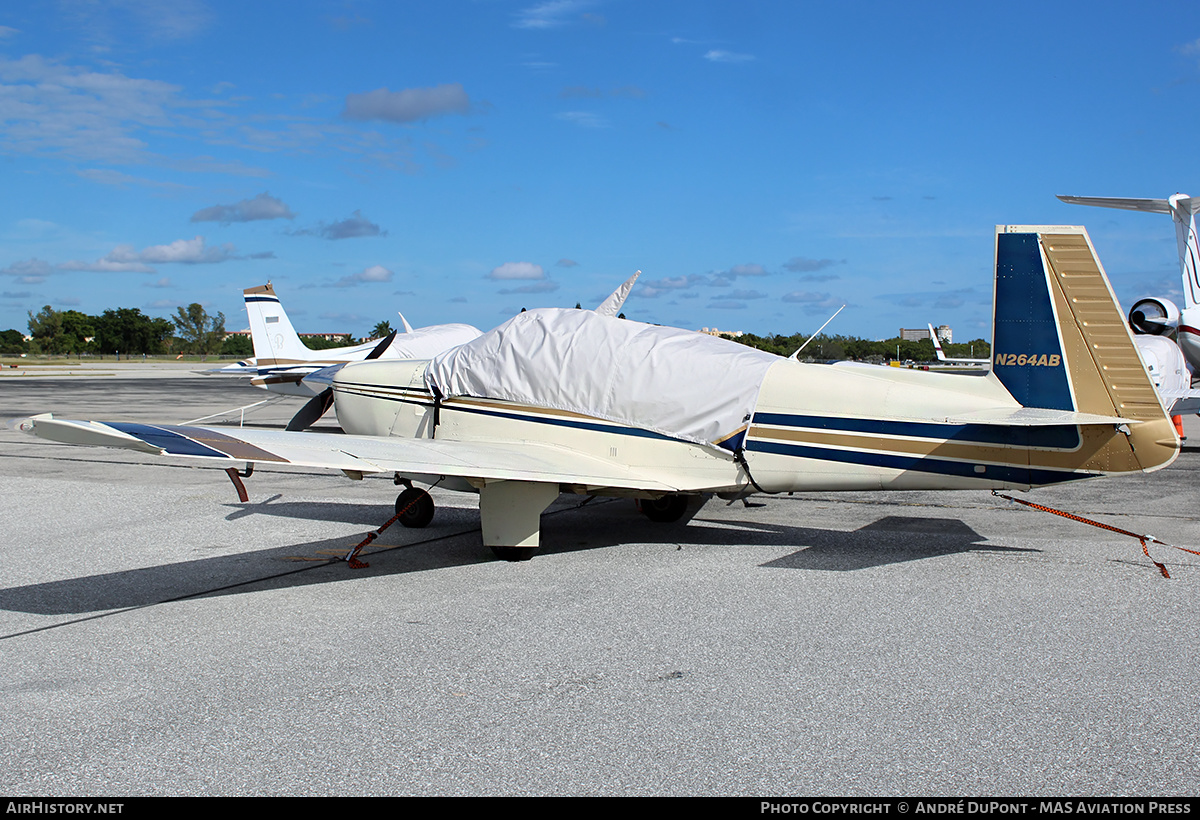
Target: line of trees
128,331
841,348
192,330
118,330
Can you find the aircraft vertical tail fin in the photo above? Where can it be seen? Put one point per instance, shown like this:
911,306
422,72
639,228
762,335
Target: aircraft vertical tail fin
937,344
275,340
1183,209
1060,341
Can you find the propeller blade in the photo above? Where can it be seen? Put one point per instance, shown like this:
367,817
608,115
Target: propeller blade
382,346
311,411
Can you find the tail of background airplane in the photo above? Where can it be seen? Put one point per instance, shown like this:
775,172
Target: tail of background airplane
1183,209
1060,342
275,340
937,344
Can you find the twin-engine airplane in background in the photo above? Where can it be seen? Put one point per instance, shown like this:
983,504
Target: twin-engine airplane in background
1159,316
581,402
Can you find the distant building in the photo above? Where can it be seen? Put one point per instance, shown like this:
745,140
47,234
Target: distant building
329,337
910,334
728,334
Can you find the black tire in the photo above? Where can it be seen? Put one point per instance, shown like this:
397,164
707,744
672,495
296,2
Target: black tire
664,510
514,553
415,508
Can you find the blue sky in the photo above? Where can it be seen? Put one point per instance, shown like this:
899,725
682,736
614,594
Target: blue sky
761,162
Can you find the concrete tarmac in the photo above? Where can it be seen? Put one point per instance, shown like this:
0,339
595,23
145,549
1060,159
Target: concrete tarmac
158,637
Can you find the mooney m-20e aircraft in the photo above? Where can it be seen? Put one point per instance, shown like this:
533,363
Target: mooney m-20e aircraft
575,401
281,360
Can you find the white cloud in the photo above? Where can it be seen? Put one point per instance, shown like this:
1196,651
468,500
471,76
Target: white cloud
375,273
263,206
182,251
517,270
551,14
124,258
745,270
802,264
544,286
354,226
28,272
584,119
51,109
717,55
409,105
805,296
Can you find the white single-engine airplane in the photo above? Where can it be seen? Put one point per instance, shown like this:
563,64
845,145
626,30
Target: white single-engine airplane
281,360
577,401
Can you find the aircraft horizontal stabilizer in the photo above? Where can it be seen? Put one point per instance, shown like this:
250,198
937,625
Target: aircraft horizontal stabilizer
1034,417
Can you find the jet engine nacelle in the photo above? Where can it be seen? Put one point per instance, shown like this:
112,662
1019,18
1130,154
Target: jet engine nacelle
1154,317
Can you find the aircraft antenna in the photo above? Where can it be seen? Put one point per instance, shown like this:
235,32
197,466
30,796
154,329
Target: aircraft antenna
818,333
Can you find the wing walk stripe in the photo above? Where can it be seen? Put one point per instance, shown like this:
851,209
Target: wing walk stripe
195,441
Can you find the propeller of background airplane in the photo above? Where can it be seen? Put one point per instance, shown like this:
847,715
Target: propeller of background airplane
317,406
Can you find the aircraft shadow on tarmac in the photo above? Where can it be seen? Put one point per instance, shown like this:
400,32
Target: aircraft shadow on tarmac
453,540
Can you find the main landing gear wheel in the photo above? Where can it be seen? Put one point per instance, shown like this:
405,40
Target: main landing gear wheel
664,510
415,508
514,553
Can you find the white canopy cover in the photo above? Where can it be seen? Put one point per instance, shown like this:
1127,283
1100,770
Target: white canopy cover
426,342
676,382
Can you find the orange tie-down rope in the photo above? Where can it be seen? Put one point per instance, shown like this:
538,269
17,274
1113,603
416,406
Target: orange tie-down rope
352,558
1143,538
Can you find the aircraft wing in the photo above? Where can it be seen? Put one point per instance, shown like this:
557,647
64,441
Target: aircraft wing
230,446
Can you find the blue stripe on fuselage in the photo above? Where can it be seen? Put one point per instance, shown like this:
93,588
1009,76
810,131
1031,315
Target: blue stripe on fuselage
1009,474
1058,437
563,422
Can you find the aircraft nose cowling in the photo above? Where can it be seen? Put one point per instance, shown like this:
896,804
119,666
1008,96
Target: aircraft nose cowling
384,397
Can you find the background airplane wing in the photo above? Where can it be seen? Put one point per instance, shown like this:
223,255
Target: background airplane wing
226,447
